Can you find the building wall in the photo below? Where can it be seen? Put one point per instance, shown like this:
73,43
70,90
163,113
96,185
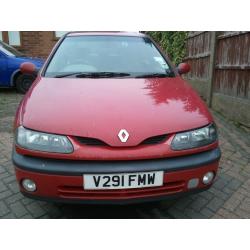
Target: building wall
37,43
31,43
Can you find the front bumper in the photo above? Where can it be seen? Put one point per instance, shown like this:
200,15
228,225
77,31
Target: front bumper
61,180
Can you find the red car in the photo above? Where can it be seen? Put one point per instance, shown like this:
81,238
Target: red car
110,120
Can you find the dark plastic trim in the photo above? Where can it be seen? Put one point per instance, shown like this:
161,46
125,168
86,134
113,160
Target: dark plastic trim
75,168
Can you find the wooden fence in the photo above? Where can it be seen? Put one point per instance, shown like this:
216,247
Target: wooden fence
220,71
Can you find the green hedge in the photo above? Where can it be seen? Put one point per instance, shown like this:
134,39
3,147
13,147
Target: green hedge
172,42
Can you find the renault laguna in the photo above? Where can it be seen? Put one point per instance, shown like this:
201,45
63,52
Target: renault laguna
109,119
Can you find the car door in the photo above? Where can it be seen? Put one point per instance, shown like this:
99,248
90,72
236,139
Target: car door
3,70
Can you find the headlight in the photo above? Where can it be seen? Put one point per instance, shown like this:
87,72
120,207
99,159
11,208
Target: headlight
34,140
195,138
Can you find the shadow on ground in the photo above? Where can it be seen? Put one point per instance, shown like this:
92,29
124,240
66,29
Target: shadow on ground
77,211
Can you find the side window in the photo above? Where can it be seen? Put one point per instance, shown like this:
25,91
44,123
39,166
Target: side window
1,36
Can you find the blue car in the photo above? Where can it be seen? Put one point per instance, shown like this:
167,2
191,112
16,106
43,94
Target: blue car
10,74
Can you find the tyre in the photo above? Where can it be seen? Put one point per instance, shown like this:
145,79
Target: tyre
23,83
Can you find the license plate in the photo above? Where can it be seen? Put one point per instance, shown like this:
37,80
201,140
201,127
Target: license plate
123,181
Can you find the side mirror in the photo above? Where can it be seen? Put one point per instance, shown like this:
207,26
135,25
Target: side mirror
28,68
183,68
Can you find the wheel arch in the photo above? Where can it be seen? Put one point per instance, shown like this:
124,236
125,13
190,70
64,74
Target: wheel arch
14,76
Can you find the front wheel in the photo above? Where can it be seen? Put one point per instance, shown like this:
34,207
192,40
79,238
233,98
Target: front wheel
23,83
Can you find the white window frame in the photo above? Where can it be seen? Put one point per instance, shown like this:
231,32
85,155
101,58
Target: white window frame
59,34
14,38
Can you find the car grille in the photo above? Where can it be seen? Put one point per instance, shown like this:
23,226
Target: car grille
154,140
96,142
80,193
90,141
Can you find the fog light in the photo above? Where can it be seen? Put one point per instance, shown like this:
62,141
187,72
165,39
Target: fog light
193,183
207,178
29,185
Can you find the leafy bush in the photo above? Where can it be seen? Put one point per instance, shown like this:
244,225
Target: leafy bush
172,42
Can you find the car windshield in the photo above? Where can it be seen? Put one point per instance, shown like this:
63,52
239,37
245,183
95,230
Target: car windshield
107,56
8,50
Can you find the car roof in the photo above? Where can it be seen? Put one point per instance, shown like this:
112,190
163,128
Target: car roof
106,33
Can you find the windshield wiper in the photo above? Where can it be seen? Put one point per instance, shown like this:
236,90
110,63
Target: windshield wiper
67,74
151,75
93,74
113,74
102,74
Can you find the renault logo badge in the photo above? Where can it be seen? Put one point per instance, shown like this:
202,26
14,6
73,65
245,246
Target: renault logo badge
123,135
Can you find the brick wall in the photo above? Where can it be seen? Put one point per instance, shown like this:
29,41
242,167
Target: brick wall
37,43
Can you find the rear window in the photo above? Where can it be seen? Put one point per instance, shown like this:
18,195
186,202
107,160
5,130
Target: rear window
132,55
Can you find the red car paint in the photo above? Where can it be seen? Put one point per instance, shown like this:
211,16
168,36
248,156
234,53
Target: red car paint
100,108
71,187
110,105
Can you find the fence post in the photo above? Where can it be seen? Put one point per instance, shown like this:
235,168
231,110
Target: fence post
211,67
